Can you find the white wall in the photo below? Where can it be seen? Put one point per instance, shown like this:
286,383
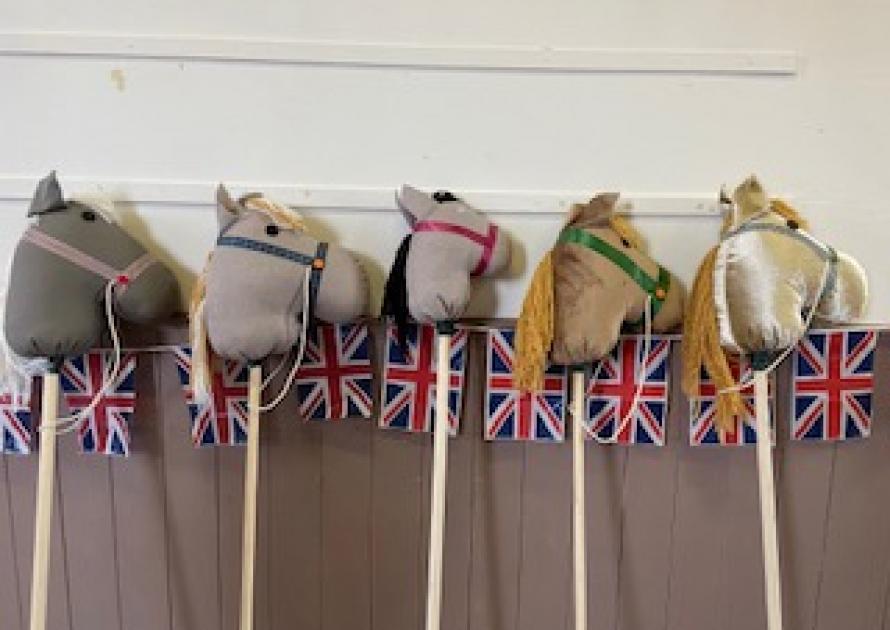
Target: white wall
520,105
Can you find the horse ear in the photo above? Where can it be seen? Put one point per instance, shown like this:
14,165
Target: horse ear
226,209
596,211
47,197
750,197
414,204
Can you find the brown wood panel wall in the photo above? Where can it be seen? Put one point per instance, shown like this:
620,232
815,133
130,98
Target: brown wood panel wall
153,542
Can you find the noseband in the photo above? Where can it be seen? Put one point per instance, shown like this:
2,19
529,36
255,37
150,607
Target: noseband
655,288
120,278
317,262
487,242
824,251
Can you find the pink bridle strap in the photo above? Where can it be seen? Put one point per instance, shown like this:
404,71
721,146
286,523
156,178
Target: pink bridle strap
487,241
83,260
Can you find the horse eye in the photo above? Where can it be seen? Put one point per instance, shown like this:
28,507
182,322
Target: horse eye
88,215
625,242
793,224
272,230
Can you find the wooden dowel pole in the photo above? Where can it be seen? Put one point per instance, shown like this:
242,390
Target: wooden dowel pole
439,480
579,527
251,473
766,480
46,475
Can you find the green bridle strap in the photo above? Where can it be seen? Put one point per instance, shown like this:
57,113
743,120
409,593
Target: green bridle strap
657,289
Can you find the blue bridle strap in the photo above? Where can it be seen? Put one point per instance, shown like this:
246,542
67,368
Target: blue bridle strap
316,262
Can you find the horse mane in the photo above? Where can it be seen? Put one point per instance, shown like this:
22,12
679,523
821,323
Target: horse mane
395,293
202,353
701,334
535,326
279,213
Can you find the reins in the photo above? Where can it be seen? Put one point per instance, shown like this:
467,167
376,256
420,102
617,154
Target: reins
311,282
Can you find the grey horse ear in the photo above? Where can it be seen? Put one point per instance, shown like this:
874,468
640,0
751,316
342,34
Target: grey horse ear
47,197
226,209
750,196
414,204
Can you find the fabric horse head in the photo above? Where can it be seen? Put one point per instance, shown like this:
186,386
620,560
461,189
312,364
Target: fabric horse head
70,261
594,280
265,279
449,242
757,290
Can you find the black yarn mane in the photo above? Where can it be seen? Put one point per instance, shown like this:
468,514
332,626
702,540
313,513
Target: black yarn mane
395,294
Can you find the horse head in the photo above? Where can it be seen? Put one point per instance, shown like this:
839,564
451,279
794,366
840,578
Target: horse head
595,280
450,242
759,288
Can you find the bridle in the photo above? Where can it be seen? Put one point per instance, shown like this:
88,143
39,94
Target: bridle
824,251
316,263
120,278
487,241
656,288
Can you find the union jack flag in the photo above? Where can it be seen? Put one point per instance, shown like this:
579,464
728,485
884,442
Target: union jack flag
409,382
702,411
15,420
610,396
511,415
833,385
223,418
334,380
105,429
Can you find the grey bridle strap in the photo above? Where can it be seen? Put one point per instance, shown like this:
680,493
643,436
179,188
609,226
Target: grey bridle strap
823,251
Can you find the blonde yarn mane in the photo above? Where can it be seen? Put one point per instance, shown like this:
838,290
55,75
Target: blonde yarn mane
535,326
701,335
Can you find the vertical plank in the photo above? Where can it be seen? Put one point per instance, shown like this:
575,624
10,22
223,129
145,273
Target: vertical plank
22,476
398,593
743,546
229,494
346,521
496,536
545,556
192,519
293,475
649,511
855,571
459,501
10,590
606,479
85,486
803,499
697,592
139,504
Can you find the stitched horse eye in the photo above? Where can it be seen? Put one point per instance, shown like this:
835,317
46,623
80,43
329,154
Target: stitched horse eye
625,242
88,215
441,196
272,230
793,224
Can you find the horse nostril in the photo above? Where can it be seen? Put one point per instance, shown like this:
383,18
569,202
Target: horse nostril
88,215
625,242
272,230
793,224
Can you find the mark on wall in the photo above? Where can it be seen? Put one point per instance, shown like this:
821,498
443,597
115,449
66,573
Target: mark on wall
119,80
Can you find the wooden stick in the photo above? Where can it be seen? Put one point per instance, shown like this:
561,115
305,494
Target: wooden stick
251,473
579,527
46,475
772,577
439,480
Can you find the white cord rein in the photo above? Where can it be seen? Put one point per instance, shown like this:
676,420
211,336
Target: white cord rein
70,423
784,354
641,378
292,375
